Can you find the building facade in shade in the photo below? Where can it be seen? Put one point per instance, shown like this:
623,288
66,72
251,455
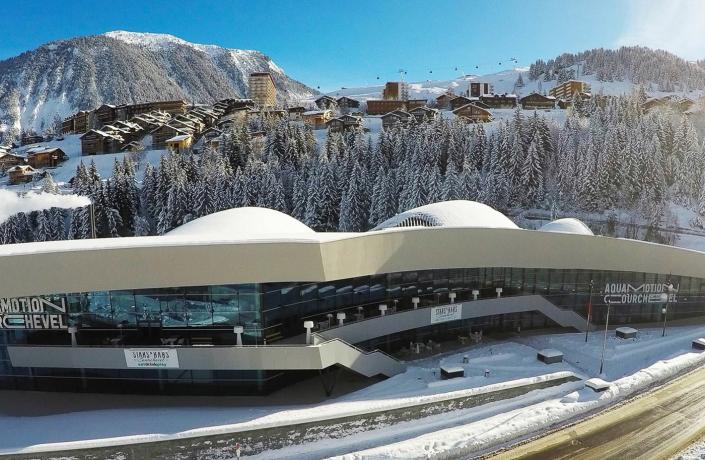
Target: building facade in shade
262,89
249,300
567,89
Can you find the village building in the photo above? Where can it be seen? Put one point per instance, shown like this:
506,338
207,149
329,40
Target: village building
45,157
326,103
127,111
395,90
317,118
423,114
166,132
499,101
380,107
8,160
344,123
105,114
473,114
443,101
536,101
566,89
566,103
393,118
97,142
29,138
347,104
180,143
460,101
21,174
77,123
262,89
477,89
296,112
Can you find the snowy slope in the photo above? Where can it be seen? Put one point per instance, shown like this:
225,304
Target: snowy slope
501,82
119,67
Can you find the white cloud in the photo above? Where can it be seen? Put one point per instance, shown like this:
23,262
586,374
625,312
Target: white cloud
13,203
672,25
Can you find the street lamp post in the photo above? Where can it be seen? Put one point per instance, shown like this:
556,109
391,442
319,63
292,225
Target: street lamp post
589,312
665,308
604,340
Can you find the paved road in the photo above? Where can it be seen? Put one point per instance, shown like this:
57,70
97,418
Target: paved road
654,426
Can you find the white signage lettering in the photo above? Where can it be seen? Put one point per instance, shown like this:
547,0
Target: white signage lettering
446,313
152,358
626,293
33,313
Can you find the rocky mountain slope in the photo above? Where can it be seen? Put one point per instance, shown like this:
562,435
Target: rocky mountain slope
119,67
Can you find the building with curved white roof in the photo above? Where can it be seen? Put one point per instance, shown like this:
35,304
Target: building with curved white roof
456,213
567,225
247,221
247,300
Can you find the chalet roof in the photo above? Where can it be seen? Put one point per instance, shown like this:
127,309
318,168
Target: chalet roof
176,129
471,106
298,108
326,97
102,134
548,98
346,98
423,109
501,96
25,169
450,95
42,150
179,138
315,112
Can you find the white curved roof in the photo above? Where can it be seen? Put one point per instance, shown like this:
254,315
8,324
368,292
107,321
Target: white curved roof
455,213
242,221
567,225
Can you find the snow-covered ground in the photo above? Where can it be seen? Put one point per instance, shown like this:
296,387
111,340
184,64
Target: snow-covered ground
631,366
71,145
694,452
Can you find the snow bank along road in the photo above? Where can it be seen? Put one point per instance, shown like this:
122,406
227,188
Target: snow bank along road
654,426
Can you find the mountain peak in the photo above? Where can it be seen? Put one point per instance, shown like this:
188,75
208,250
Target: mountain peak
156,41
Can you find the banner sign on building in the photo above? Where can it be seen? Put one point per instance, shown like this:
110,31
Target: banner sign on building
148,358
446,313
625,293
33,313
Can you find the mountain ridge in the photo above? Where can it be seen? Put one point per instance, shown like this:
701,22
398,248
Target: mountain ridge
118,67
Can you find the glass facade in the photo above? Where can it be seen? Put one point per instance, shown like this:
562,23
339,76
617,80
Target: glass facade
272,312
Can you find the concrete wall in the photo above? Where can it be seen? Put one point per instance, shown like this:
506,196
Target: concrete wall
379,326
313,357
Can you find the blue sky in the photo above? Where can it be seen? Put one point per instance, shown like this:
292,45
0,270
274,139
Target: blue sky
332,44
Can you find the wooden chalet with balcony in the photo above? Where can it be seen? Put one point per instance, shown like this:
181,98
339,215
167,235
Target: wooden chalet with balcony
344,123
317,118
45,157
21,174
536,101
394,118
499,101
423,114
473,114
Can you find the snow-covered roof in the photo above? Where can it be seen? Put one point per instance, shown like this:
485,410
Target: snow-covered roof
179,138
242,221
456,213
567,225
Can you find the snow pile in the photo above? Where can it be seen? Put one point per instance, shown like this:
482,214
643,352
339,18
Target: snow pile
694,452
567,225
242,221
454,213
12,203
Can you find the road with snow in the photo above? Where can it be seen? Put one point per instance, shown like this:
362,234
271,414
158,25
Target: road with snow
654,426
